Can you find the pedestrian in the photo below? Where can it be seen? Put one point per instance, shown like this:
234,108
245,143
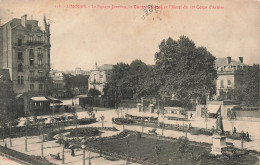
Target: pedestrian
247,136
235,130
72,152
93,115
191,116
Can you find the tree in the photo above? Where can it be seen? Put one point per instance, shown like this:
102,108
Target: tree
136,77
231,115
77,81
252,81
94,93
118,83
185,70
8,112
246,91
205,115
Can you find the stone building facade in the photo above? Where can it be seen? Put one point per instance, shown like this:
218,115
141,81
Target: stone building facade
230,75
98,76
25,52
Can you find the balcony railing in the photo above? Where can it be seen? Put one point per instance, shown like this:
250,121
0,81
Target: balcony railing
37,78
35,43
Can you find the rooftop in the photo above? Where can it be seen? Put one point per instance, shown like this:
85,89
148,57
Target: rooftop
220,62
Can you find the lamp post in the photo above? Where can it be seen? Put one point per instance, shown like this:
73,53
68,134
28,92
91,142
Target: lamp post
102,119
89,160
83,146
10,133
63,156
42,140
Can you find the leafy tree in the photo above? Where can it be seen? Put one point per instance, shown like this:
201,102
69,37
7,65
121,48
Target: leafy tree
252,85
137,74
8,112
77,81
118,82
231,115
185,70
247,90
93,93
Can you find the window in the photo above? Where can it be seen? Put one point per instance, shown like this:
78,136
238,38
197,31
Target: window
32,76
40,73
20,55
39,38
31,87
20,41
229,82
221,84
20,80
31,56
39,59
31,73
20,68
40,87
30,38
40,51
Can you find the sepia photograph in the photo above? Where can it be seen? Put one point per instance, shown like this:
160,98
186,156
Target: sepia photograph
129,82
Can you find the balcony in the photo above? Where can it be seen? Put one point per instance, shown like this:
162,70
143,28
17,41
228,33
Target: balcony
38,79
34,43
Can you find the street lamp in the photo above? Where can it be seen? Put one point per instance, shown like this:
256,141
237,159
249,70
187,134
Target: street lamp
10,133
102,119
83,146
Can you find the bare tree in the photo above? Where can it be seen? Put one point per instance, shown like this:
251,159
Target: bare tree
205,115
231,115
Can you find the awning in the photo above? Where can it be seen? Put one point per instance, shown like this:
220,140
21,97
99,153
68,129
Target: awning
54,100
213,108
42,98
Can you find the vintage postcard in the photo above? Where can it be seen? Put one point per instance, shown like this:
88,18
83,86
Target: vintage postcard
129,82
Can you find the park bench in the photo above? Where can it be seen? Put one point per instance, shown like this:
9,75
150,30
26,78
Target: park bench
57,156
153,131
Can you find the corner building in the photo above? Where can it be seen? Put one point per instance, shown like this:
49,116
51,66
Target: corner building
25,52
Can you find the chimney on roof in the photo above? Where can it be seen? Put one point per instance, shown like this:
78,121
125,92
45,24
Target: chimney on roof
240,59
23,20
228,60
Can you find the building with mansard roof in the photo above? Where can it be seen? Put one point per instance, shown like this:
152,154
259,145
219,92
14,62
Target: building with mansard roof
230,74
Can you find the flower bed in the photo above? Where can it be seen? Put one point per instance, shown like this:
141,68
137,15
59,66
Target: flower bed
84,132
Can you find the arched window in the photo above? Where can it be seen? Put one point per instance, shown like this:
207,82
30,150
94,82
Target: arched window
20,68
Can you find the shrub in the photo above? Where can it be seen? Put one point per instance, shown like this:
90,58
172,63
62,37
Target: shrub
90,131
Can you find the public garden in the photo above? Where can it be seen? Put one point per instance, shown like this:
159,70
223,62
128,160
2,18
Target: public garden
111,143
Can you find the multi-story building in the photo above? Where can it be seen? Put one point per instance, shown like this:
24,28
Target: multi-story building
58,84
230,75
25,52
98,76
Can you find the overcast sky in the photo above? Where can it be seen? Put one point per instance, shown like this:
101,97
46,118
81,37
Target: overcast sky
79,37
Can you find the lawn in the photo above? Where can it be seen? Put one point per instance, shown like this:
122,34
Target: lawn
171,151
